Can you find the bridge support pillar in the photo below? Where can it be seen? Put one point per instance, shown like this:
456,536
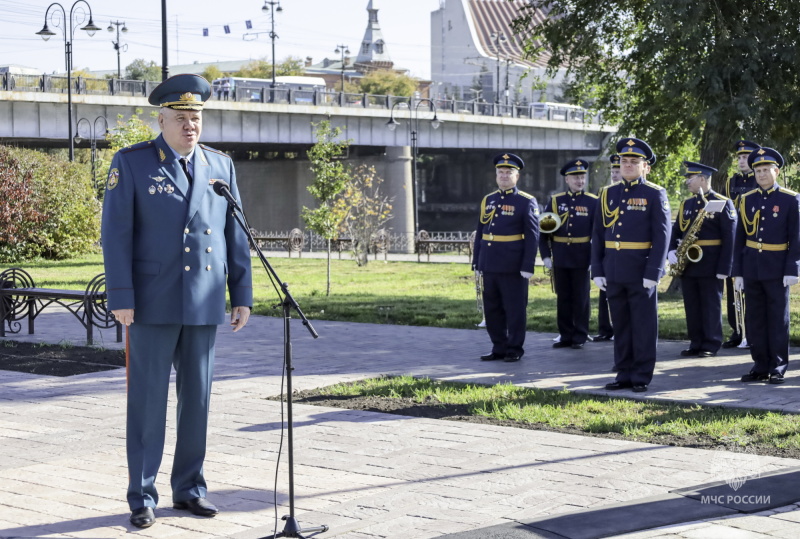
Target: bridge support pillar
399,185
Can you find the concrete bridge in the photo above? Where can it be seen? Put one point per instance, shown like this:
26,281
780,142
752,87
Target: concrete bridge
269,141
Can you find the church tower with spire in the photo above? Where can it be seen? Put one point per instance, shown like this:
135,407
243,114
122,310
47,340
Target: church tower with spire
372,54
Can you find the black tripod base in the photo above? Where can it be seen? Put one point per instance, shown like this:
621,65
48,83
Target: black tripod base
292,529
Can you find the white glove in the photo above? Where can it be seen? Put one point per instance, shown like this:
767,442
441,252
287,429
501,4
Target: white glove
721,277
790,280
526,274
548,263
647,283
672,257
738,284
478,273
600,282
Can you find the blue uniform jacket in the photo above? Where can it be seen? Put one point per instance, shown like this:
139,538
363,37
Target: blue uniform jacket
636,214
720,226
169,249
739,184
569,246
769,221
507,214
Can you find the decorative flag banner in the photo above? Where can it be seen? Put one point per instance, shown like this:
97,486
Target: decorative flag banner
248,24
227,29
205,32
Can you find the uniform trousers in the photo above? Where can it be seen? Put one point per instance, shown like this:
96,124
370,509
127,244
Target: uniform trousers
766,320
154,350
604,327
505,302
731,304
572,304
702,301
634,313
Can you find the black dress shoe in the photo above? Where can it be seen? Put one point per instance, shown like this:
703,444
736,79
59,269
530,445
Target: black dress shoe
144,517
601,338
733,342
577,346
613,386
689,352
197,506
492,357
755,377
706,353
639,388
512,357
776,379
562,344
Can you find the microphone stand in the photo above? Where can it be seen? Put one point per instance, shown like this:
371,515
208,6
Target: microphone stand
292,527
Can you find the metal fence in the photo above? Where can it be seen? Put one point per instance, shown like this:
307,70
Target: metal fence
321,98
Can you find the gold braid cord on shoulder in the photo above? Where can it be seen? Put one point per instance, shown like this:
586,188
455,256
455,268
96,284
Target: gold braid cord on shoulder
609,217
683,224
486,217
750,226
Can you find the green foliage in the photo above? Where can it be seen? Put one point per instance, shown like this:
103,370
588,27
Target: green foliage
262,69
330,177
212,73
140,69
672,71
385,82
132,131
49,210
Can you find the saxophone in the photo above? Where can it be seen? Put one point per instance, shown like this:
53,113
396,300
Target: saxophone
687,250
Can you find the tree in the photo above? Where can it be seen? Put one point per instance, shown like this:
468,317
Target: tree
365,209
212,73
127,133
330,178
384,82
262,69
672,71
141,69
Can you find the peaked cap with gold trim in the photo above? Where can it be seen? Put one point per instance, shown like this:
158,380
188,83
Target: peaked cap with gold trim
181,92
745,146
635,148
614,159
697,168
576,166
509,160
765,156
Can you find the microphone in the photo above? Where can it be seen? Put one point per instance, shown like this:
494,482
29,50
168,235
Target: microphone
223,189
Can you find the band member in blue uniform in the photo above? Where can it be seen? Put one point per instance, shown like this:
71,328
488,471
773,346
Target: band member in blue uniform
629,248
567,253
740,183
170,247
702,281
766,262
505,251
605,330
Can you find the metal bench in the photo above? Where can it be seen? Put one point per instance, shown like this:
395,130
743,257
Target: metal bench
426,244
20,299
293,241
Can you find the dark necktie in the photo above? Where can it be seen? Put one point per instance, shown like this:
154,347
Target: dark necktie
185,167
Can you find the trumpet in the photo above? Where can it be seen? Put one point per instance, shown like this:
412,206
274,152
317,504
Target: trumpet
549,222
738,305
479,297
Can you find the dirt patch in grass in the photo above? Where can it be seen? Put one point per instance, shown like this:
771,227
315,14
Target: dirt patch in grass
56,360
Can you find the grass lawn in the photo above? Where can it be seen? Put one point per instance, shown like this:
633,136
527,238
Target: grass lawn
405,293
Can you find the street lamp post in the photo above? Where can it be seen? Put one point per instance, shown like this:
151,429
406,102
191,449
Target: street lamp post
344,50
498,37
116,43
272,35
69,35
392,124
93,132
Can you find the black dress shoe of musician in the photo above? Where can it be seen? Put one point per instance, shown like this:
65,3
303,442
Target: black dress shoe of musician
689,352
733,342
197,506
562,344
511,357
144,517
613,386
776,379
706,353
639,388
577,346
601,338
755,377
491,356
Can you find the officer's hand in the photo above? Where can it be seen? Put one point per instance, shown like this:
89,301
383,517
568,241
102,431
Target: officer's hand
738,284
548,263
647,283
239,317
600,282
526,274
721,277
123,316
790,280
478,273
672,257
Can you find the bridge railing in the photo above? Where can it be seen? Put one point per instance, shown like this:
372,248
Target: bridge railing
255,94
